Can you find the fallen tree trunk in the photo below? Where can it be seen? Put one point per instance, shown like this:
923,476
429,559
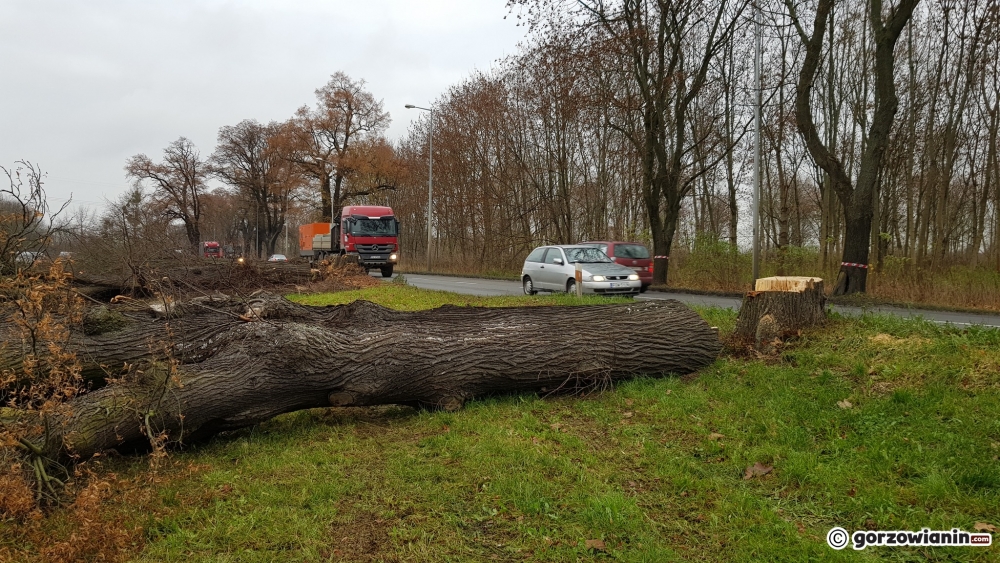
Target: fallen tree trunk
213,364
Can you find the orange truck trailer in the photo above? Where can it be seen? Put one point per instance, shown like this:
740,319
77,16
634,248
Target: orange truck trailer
371,232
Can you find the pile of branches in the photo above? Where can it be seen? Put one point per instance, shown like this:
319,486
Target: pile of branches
38,376
188,276
341,273
179,278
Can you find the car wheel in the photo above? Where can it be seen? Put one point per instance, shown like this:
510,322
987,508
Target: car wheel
643,289
529,287
387,271
571,286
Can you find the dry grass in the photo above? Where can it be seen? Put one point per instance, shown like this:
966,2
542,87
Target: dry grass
890,341
95,536
715,267
17,498
85,530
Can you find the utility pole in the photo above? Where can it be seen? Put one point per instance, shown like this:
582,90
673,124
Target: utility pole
756,149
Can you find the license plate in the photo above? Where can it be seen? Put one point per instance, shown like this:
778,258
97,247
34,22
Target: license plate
638,268
376,257
619,284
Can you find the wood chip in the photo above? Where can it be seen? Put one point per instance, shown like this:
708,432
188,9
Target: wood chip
757,470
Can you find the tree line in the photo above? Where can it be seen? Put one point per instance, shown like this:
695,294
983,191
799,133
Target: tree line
274,175
633,119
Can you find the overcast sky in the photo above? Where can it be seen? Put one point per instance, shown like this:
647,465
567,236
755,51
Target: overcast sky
85,85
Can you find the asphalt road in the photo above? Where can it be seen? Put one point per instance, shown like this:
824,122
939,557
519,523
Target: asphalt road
479,286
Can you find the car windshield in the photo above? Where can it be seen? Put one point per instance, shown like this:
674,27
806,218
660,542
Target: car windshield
636,251
585,255
373,227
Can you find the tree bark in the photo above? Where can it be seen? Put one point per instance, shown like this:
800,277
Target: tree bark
212,364
778,307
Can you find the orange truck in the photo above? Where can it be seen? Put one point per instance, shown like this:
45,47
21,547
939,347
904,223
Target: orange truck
371,232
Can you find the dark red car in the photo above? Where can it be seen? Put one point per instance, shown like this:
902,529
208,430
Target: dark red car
632,254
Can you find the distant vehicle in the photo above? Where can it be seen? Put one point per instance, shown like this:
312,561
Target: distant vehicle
370,232
552,268
630,254
277,258
211,249
27,257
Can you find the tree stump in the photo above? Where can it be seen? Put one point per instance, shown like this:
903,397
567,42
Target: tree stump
777,308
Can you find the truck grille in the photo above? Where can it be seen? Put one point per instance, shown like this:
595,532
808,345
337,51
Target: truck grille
374,247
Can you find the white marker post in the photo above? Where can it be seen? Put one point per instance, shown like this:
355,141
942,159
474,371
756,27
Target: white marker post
579,280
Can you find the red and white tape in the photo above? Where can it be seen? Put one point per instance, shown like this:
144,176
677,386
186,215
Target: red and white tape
853,265
663,257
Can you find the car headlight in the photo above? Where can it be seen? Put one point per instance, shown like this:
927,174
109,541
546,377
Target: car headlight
597,278
633,277
392,257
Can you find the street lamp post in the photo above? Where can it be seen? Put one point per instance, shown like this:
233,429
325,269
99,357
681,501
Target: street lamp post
430,178
756,148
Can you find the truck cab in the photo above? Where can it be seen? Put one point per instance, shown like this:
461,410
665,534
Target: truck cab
371,232
211,249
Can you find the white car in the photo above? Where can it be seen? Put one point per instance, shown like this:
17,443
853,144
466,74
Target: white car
28,257
553,268
277,258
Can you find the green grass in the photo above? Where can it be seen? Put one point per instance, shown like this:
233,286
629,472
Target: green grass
524,478
408,298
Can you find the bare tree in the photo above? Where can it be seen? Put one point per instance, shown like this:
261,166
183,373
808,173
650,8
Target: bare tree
249,159
26,224
320,140
669,47
855,197
178,184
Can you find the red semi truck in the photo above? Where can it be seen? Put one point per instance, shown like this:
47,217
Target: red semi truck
211,249
371,232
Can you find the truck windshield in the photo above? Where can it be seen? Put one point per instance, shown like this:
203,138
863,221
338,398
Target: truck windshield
373,227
